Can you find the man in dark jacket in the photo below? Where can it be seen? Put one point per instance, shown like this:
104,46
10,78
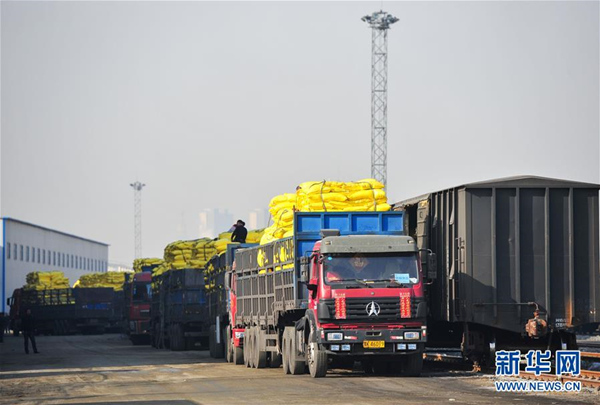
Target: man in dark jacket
28,326
240,232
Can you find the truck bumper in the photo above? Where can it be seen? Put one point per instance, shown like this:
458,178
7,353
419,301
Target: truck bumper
372,342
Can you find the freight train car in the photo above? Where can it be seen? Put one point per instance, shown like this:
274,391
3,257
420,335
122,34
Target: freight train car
517,262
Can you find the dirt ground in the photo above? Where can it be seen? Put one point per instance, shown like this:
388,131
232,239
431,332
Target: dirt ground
108,369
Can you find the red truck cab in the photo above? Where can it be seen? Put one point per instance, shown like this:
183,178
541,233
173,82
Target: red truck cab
139,294
367,301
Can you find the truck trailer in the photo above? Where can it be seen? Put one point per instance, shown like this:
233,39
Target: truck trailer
346,287
63,311
179,318
217,298
517,263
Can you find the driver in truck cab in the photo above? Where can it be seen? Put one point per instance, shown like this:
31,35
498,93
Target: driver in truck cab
400,269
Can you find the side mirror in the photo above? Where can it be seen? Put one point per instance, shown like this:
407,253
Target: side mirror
305,269
431,265
227,280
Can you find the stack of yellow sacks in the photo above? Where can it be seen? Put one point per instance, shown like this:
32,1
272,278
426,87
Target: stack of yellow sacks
111,279
194,254
46,280
210,276
139,264
319,196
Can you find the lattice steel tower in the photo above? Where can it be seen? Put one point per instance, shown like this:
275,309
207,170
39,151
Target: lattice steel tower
379,22
137,217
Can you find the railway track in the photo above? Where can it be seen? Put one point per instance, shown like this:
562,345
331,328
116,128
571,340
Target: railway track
590,379
593,344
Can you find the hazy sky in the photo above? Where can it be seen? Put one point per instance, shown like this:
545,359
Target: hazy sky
226,105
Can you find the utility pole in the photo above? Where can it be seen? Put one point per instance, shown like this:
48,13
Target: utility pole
380,22
137,217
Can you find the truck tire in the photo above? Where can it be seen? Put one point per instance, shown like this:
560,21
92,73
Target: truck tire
177,339
285,351
238,355
220,347
412,364
275,360
296,366
228,345
211,341
316,358
247,347
260,357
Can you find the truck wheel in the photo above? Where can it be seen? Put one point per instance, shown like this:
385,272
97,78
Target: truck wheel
275,360
228,346
177,339
296,366
260,357
211,342
238,355
317,358
412,364
247,347
285,352
220,347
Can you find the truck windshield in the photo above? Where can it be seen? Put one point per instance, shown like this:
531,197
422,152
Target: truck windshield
398,268
141,292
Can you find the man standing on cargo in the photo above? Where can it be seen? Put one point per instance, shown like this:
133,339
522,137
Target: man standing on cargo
240,232
28,325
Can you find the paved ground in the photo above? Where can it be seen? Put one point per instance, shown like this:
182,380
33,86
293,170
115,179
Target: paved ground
107,369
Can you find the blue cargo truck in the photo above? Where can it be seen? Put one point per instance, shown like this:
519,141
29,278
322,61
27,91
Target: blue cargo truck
179,318
217,299
346,287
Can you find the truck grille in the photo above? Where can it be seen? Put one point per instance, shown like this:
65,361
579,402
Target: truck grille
389,309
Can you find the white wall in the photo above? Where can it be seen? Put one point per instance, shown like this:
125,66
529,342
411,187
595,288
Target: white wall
72,255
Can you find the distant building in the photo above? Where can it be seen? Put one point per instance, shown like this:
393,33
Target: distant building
27,247
214,221
257,219
119,267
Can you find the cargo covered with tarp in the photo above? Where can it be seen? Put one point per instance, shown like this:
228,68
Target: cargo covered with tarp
146,264
111,279
46,280
323,196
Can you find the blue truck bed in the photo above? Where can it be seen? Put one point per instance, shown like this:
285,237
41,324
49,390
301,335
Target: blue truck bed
268,275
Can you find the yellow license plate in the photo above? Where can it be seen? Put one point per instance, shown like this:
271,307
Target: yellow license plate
373,344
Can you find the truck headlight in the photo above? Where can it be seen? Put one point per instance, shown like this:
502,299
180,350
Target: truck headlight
411,335
335,336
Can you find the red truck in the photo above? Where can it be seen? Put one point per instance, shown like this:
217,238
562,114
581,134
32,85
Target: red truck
138,295
346,287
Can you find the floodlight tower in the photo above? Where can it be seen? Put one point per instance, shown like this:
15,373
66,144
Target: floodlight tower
380,22
137,217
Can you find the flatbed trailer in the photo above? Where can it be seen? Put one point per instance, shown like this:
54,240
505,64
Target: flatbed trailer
290,307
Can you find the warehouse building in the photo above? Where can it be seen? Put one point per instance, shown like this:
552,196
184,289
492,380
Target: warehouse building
27,247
